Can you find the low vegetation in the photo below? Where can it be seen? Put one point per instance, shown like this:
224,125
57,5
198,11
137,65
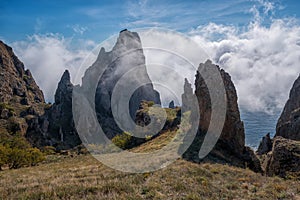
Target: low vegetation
16,152
83,177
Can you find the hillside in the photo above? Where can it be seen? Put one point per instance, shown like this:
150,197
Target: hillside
83,177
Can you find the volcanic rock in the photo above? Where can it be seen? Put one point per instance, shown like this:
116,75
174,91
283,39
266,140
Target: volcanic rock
126,56
288,125
265,145
230,147
284,159
18,93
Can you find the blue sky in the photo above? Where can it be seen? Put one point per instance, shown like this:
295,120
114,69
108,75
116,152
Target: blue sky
256,41
96,20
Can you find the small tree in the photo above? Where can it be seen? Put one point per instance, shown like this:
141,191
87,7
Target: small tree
4,151
16,152
17,158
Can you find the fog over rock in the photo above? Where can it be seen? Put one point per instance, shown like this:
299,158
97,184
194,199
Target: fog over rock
125,58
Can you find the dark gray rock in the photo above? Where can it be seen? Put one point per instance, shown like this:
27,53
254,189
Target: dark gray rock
284,159
171,104
60,116
288,125
230,147
265,145
126,55
56,127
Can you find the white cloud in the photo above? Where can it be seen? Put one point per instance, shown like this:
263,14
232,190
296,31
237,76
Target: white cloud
78,29
263,61
47,56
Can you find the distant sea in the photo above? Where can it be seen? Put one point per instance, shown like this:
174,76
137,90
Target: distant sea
257,125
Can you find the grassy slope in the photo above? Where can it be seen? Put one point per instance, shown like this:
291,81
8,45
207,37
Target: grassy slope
83,177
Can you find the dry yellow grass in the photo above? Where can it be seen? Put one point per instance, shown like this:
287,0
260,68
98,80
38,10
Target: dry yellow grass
83,177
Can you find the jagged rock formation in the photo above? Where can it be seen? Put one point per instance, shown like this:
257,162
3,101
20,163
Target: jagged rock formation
20,96
56,127
265,145
126,55
230,147
284,160
288,125
171,104
61,124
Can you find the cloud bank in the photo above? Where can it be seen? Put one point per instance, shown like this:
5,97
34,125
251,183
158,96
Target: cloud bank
47,56
263,59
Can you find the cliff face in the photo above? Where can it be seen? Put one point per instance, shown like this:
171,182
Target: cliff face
288,125
283,157
56,127
17,84
20,97
230,147
126,55
61,124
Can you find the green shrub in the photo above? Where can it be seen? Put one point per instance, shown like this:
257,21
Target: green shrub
34,156
17,158
24,157
4,152
123,140
48,150
150,103
16,152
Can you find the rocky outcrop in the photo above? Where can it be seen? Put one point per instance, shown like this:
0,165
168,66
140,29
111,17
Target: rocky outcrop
20,96
61,124
17,84
288,125
126,55
265,145
284,159
171,104
56,127
230,147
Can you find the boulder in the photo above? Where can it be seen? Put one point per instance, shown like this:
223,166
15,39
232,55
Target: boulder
171,104
284,159
265,145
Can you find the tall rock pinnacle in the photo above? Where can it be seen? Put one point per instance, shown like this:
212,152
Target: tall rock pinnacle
61,125
126,55
230,147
